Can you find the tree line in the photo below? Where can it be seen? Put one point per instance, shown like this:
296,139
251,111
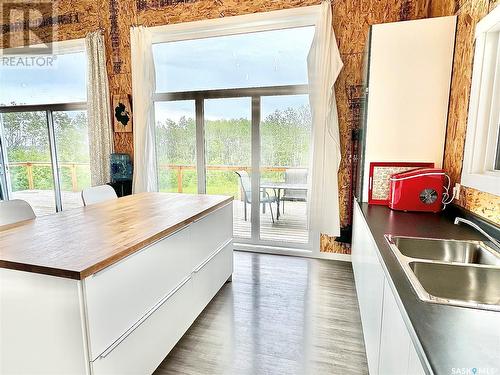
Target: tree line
285,142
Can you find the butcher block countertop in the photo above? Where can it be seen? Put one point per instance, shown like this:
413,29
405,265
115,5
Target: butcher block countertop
80,242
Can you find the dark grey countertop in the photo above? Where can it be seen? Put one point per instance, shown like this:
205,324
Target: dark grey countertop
449,339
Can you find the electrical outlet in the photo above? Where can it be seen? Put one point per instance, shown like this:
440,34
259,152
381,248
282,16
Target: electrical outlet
456,191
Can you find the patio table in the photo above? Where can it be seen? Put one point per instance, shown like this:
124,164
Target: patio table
278,187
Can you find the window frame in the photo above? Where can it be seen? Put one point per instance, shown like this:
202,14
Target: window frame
69,46
267,21
482,128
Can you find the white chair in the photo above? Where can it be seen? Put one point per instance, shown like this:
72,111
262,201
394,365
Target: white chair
14,211
97,194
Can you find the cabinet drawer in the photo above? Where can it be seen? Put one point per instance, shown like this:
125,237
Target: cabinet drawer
208,278
211,232
145,347
120,295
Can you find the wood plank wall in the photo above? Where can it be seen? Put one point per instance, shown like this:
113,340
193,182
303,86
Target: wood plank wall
469,12
115,17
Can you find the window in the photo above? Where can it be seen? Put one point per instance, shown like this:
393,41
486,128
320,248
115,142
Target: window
61,78
232,102
267,58
176,146
44,150
481,168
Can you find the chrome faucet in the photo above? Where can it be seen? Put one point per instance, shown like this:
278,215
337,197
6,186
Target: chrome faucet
476,227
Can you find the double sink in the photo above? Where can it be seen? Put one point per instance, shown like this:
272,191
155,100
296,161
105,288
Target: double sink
454,272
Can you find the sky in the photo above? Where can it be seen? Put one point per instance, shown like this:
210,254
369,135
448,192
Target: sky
268,58
247,60
63,82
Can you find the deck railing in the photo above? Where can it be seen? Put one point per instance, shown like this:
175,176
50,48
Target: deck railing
178,168
29,165
225,168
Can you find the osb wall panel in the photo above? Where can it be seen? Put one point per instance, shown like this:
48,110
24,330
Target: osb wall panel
351,22
70,20
481,203
469,12
328,245
440,8
153,13
352,19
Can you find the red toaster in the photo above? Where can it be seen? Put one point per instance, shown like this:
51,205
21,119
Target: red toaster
417,190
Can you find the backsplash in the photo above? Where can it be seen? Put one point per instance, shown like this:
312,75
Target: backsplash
483,204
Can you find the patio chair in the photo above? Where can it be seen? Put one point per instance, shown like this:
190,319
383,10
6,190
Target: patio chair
294,176
98,194
246,187
14,211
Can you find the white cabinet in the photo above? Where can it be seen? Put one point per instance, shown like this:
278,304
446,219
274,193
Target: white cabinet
40,325
409,70
141,349
119,295
394,343
397,353
414,364
123,319
369,277
389,349
139,308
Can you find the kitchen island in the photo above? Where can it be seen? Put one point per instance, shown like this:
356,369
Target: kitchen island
110,288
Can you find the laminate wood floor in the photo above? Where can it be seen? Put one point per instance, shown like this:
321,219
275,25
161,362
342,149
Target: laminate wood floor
280,315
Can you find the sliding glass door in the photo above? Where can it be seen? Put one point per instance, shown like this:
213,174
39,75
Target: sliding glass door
285,137
252,144
45,157
28,165
44,147
3,181
176,146
228,157
71,138
247,127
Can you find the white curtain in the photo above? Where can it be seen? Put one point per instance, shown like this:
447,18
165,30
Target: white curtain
143,88
98,109
324,65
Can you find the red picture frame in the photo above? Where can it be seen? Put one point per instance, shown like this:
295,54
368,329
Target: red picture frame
383,170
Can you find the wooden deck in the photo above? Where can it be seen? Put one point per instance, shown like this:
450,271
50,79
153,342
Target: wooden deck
43,201
291,227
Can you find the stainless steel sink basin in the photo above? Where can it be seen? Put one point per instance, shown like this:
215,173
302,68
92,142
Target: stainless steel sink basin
468,252
454,272
473,285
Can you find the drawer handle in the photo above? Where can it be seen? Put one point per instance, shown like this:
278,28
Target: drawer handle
212,256
141,320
